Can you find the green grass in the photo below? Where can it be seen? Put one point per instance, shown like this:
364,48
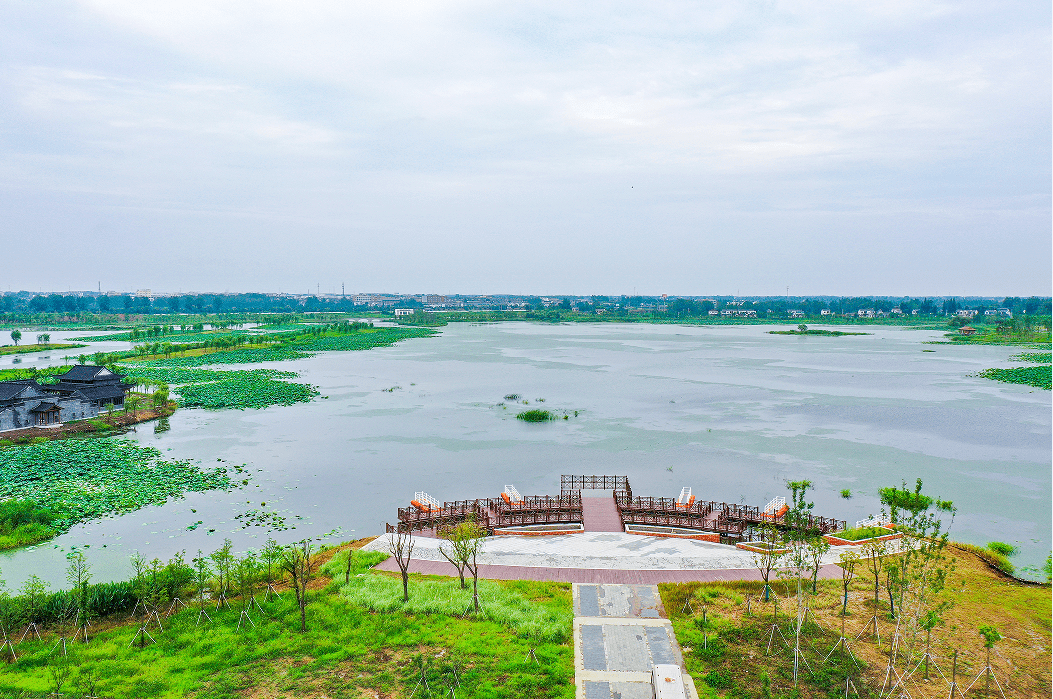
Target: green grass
81,479
349,650
499,603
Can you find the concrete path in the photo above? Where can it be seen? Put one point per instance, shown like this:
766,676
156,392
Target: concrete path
599,512
619,635
603,551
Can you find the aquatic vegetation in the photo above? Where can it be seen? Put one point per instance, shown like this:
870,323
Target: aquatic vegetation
245,355
240,389
1034,357
536,416
175,375
1037,376
245,391
80,479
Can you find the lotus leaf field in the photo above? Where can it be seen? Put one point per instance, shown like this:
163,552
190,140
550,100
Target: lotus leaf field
81,479
205,388
300,346
1037,376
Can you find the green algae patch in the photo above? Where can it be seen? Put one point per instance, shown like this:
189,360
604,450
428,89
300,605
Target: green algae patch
82,479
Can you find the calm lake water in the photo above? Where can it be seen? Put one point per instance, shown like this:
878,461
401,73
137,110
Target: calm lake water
732,412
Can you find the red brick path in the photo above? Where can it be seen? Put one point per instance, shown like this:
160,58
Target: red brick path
594,575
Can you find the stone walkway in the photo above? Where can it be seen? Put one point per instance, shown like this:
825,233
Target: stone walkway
619,635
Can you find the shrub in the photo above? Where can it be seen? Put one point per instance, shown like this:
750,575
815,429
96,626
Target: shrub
858,534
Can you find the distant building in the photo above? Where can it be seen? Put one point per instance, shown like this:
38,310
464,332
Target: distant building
825,312
80,393
967,330
403,312
966,313
865,313
796,314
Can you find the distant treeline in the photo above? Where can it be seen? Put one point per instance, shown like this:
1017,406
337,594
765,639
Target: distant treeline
29,307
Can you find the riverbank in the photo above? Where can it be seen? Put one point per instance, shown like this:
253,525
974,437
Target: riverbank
106,425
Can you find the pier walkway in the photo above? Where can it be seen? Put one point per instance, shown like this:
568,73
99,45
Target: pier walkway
599,511
619,635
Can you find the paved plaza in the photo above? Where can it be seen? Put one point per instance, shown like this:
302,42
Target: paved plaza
604,550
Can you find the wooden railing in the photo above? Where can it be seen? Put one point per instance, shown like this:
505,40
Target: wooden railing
755,516
569,483
513,519
685,521
700,509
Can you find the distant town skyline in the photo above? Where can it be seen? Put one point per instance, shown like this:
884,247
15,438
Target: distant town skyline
541,148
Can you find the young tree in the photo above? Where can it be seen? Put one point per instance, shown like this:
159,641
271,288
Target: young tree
401,547
848,562
874,552
299,561
16,335
272,557
801,538
223,558
464,540
991,636
77,575
920,574
817,548
202,573
767,559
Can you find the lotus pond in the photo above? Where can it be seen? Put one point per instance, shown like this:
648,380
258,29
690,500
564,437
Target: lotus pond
80,479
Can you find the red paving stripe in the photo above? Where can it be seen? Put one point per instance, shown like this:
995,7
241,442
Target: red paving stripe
594,575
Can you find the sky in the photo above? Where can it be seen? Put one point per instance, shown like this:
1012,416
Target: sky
462,146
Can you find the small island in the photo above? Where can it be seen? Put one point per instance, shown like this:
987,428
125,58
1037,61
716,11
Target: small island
43,344
803,330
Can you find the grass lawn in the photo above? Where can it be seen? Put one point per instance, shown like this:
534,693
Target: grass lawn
348,651
726,654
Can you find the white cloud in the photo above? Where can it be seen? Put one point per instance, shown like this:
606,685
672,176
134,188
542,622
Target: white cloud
394,118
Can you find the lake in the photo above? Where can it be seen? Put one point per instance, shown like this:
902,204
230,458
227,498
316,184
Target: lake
731,411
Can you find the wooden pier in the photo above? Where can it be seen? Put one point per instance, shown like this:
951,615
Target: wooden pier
607,506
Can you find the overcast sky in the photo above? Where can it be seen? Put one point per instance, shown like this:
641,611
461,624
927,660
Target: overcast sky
892,147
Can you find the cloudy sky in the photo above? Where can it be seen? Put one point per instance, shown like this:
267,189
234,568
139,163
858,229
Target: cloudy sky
466,146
